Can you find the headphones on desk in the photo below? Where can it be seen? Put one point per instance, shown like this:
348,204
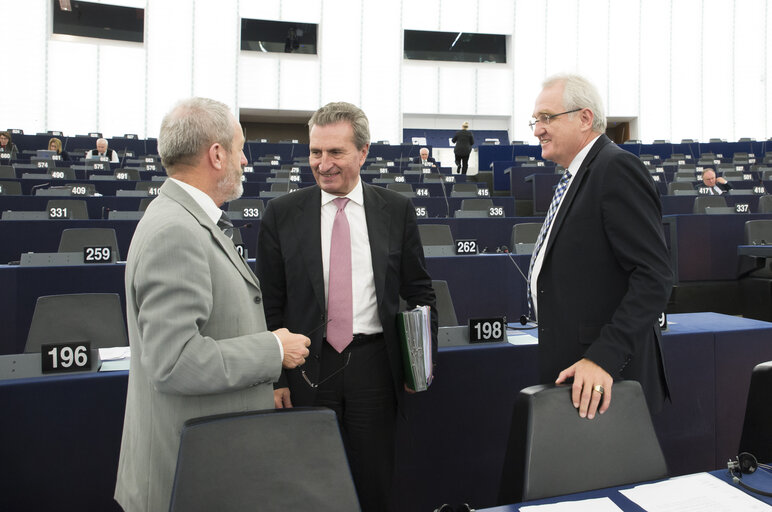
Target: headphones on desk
746,463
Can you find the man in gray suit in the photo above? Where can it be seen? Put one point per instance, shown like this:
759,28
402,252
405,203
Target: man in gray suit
198,336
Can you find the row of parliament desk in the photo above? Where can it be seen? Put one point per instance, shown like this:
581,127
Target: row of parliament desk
61,434
759,480
481,286
18,236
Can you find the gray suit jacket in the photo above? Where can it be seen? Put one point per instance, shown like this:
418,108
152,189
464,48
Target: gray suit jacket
199,344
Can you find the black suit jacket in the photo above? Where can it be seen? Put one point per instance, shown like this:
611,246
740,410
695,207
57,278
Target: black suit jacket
606,274
289,266
417,160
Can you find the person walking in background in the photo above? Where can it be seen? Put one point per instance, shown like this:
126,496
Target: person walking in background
464,141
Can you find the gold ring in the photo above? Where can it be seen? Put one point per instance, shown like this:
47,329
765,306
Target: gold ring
598,388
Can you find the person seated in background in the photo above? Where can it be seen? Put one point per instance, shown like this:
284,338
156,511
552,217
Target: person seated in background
55,144
716,186
7,145
424,158
102,150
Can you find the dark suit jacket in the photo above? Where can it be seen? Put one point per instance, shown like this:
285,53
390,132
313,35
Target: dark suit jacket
606,274
464,141
289,266
417,160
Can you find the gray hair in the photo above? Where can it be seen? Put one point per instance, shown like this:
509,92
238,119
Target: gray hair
191,127
579,93
341,111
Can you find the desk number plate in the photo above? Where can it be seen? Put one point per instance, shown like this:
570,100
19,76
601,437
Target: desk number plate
487,329
65,357
466,247
97,254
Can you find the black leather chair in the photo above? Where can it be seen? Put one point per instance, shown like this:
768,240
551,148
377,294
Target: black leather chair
437,239
756,438
552,451
76,239
273,460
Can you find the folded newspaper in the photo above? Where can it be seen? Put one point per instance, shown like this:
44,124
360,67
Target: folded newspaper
415,334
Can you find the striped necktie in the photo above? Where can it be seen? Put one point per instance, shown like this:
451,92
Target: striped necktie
559,191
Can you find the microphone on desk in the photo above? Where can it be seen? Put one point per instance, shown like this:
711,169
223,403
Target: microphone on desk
36,187
524,319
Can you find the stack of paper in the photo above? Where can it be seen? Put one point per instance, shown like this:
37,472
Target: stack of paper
414,329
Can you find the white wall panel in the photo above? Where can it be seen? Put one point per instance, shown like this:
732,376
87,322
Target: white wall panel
169,45
423,15
686,79
215,50
718,71
340,52
750,84
302,11
72,87
623,79
495,16
381,69
528,64
299,84
457,93
262,10
457,15
592,41
258,80
655,71
494,90
23,97
561,35
420,87
121,102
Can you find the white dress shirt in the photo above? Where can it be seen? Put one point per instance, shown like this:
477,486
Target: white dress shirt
366,320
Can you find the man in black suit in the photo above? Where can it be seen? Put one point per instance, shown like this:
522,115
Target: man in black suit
424,158
715,186
601,275
360,377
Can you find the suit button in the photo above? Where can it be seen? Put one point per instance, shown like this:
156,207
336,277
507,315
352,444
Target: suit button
258,300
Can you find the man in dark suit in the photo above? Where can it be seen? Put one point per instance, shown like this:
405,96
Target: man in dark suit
715,186
600,275
355,367
424,158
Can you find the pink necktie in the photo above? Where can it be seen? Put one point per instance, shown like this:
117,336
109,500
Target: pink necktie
340,308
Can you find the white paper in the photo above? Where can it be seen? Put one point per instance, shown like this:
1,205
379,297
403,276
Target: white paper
593,505
114,353
692,493
521,338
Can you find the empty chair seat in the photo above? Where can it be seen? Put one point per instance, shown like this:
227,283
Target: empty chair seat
476,204
151,187
126,174
765,204
76,239
67,209
732,175
679,185
247,208
406,189
94,317
703,202
7,171
524,237
436,239
10,188
446,312
465,190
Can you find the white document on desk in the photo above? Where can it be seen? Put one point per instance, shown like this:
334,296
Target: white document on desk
593,505
701,492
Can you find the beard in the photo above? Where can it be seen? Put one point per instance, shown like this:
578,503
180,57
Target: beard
230,187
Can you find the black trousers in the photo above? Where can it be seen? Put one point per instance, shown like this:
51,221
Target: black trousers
363,398
462,163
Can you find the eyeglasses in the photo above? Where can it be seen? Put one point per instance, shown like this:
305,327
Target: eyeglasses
546,118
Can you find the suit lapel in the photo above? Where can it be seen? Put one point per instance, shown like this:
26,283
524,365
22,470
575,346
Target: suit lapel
176,193
309,231
378,227
576,185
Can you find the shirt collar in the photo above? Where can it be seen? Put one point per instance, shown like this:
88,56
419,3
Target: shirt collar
573,168
204,201
356,195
